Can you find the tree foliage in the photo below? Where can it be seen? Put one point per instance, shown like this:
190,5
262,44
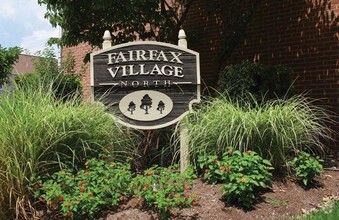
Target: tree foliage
8,56
84,21
160,20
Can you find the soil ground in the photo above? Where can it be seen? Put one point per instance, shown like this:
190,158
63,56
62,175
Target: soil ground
285,199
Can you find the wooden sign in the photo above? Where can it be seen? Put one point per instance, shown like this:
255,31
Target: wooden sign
146,84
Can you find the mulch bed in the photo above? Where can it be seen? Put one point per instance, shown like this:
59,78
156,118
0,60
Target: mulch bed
285,199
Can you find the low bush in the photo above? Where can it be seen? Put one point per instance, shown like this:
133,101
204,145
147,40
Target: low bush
273,129
30,79
244,175
100,183
85,193
164,188
306,167
269,81
212,168
249,174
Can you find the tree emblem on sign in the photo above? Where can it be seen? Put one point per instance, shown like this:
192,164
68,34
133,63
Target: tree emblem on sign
131,107
146,103
161,106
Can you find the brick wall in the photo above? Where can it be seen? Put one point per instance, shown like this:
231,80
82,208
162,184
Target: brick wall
302,34
205,33
79,52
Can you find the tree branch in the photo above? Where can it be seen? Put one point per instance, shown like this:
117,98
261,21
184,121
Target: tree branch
231,42
184,14
171,8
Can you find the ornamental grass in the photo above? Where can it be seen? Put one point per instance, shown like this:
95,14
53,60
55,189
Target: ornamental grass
39,134
274,129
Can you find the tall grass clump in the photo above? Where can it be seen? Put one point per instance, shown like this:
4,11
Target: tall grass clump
273,129
39,135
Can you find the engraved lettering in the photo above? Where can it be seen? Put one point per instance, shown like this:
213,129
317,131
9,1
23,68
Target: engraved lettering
113,73
175,57
156,70
131,73
178,72
135,84
162,56
141,54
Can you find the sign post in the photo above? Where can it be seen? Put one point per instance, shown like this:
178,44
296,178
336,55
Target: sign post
147,84
184,138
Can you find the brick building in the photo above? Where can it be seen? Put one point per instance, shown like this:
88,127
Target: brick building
24,64
302,34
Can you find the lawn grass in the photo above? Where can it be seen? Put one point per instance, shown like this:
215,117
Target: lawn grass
331,214
328,213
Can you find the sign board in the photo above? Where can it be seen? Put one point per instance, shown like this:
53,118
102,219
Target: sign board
146,84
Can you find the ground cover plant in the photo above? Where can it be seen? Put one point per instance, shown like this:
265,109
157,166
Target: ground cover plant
164,189
101,184
83,194
273,129
40,134
306,167
244,175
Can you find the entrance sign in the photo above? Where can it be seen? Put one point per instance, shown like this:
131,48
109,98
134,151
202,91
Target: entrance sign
146,84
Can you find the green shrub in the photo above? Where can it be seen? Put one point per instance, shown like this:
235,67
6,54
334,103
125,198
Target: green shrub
67,87
8,57
64,81
306,167
164,188
39,134
67,83
85,193
244,175
248,175
64,88
26,79
101,183
260,80
211,168
273,129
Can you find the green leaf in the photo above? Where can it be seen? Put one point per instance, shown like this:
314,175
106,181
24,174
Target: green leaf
305,181
267,162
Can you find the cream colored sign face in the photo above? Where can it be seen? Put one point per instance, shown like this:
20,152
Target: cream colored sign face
146,105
